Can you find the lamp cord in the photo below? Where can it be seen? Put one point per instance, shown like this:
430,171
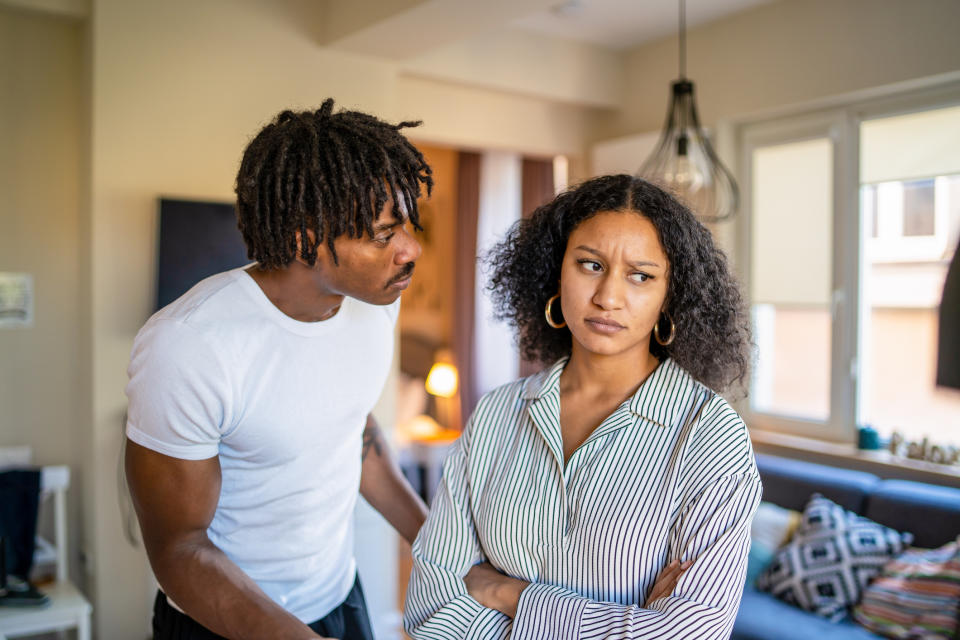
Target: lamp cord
683,40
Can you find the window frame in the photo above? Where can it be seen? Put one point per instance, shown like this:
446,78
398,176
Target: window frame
839,120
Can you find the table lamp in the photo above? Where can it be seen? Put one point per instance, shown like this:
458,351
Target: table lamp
442,383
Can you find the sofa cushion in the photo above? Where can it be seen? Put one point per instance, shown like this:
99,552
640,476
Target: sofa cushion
763,617
771,527
930,512
915,596
789,483
831,558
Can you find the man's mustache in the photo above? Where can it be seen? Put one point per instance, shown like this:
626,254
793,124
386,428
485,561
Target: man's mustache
404,273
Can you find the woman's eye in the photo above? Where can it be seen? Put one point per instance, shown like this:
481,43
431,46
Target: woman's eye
590,265
640,277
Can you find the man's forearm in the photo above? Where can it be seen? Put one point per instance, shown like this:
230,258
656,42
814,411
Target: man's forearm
212,590
384,487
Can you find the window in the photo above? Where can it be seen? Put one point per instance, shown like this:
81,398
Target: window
791,281
850,219
915,187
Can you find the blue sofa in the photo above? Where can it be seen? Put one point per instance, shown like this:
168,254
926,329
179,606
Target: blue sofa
930,512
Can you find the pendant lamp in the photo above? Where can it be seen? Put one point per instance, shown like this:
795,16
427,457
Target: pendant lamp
684,161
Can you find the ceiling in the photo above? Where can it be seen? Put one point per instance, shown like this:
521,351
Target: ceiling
572,52
621,24
382,28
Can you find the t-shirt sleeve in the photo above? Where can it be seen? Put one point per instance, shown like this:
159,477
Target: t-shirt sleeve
178,392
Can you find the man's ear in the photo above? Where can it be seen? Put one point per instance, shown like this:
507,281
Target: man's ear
311,238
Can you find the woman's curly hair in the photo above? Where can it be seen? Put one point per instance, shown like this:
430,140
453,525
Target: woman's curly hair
712,329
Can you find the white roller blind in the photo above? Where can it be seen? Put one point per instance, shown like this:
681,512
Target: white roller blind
917,145
792,224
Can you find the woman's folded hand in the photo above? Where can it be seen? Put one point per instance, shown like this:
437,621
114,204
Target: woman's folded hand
493,589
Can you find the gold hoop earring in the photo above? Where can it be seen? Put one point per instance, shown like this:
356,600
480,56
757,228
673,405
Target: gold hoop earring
549,317
656,332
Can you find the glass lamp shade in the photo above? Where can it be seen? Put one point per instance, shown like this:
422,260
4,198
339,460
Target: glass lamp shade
685,164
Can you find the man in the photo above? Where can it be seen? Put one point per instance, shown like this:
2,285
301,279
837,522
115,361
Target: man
249,430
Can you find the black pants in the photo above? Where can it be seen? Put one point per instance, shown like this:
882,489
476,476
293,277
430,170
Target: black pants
349,621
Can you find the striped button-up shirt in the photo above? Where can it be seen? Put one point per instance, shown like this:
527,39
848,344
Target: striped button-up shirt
669,475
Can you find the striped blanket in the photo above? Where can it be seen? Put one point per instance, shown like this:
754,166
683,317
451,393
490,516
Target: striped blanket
916,596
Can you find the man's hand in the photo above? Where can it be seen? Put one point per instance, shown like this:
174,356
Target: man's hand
494,590
385,488
667,581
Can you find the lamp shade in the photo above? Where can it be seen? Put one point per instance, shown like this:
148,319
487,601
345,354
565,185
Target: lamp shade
442,380
685,164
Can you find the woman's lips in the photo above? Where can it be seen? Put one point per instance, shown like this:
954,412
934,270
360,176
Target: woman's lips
605,326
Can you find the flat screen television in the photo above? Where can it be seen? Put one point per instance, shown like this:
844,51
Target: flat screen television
196,240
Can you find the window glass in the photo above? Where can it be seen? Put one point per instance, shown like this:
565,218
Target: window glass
910,204
918,208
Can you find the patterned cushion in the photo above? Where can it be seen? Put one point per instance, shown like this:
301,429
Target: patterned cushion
916,595
833,555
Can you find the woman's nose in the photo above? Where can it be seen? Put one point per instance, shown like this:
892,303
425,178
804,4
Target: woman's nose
609,293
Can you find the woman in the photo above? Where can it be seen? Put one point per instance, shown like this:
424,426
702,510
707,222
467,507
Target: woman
572,490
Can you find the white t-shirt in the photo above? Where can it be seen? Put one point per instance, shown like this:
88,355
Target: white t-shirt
222,372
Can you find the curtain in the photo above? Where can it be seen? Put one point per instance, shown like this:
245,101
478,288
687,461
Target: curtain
495,355
538,189
468,205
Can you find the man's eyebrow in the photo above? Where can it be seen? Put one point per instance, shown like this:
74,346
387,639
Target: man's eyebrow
638,263
383,226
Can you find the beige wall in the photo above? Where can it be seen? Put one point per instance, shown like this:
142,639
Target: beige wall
551,67
790,52
41,401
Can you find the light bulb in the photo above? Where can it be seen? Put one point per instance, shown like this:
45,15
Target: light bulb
442,380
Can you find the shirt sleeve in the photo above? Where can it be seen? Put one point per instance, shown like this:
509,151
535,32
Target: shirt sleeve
178,392
438,605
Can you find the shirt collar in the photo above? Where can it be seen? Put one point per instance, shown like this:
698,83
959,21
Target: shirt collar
658,399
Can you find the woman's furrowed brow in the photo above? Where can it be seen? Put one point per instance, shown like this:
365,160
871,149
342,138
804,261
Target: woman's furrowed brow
632,263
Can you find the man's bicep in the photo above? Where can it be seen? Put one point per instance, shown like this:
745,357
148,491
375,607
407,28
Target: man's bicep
174,498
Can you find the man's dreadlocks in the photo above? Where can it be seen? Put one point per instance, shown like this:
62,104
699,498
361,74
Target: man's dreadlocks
324,174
